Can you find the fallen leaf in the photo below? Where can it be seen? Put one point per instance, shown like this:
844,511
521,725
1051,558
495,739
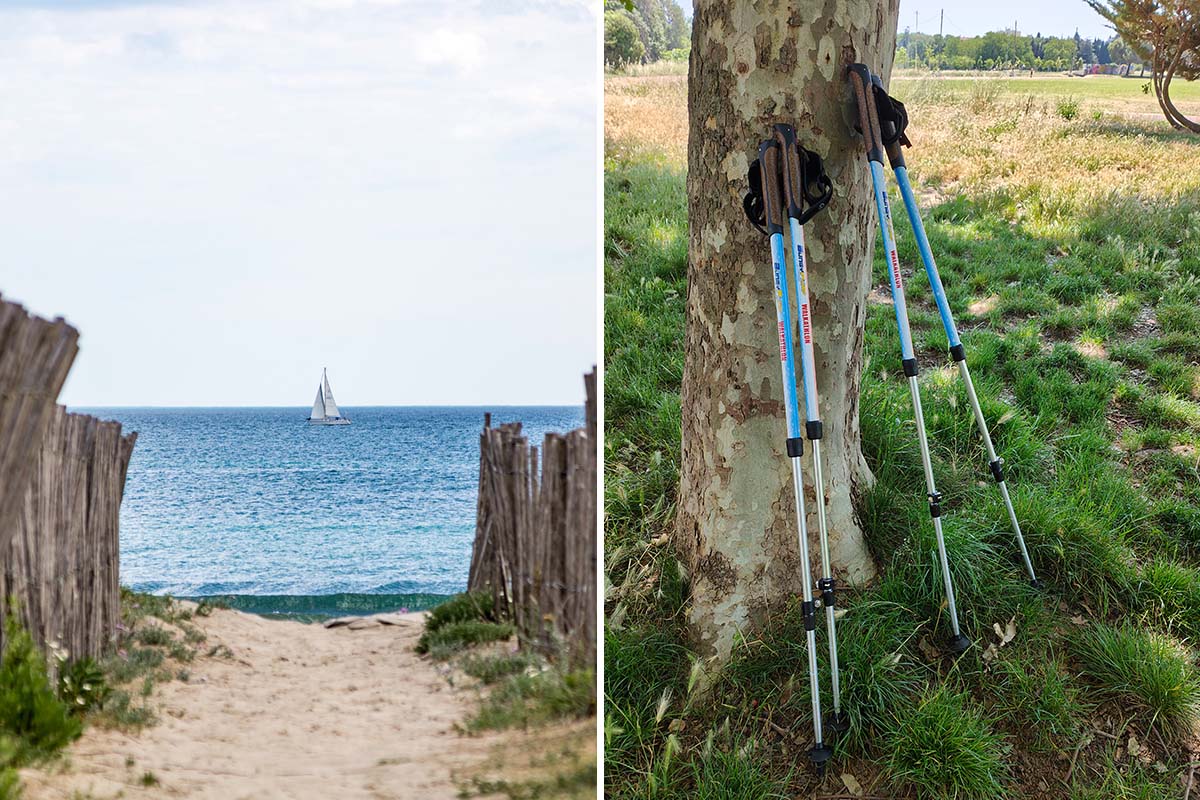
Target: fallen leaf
1007,633
1078,620
930,652
852,785
990,653
1134,747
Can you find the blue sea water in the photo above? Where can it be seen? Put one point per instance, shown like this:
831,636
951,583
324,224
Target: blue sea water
293,518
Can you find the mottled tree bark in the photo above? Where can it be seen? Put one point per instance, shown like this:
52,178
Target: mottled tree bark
754,64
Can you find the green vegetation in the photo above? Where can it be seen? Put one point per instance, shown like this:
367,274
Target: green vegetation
489,669
34,722
577,782
82,685
456,636
1070,250
1009,50
650,30
462,608
524,699
1141,670
517,689
941,747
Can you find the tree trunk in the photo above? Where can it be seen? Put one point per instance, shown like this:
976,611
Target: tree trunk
754,64
1176,116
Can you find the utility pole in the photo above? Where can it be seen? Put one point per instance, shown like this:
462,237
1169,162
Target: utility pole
917,26
941,22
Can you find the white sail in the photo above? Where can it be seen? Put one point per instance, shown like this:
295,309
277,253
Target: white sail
331,409
318,409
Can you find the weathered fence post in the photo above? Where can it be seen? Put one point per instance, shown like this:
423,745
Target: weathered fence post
62,477
535,534
35,356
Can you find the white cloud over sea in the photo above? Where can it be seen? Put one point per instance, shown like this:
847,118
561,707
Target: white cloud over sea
226,196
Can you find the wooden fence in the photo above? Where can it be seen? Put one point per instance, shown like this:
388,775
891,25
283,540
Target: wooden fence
62,477
35,355
535,534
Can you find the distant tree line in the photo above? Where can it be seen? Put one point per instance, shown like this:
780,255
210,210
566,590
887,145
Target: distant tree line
1009,50
645,31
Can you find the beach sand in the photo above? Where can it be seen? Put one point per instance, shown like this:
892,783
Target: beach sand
297,711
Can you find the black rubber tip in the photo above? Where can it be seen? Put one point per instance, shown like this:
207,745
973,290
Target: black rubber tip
837,723
820,756
959,644
1037,584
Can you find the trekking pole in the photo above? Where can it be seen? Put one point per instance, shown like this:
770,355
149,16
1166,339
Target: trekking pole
893,119
769,176
860,81
805,182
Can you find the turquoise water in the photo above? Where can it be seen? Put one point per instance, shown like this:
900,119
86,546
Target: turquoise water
290,518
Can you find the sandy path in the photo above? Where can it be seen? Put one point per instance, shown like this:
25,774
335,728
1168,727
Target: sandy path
298,712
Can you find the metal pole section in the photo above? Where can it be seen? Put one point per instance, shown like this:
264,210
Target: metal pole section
935,507
801,187
769,165
958,642
958,352
814,431
860,79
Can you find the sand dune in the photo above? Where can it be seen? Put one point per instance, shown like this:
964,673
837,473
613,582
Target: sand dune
297,711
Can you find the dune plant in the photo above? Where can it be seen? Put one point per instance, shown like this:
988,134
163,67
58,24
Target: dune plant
32,716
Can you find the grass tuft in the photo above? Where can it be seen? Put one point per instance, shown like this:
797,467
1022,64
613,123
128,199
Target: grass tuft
941,747
453,637
1141,670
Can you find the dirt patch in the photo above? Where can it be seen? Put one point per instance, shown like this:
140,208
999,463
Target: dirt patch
984,306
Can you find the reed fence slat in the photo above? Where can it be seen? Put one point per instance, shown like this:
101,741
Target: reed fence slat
62,477
535,533
35,356
62,568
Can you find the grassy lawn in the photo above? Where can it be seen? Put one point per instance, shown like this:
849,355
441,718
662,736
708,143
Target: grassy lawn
1068,237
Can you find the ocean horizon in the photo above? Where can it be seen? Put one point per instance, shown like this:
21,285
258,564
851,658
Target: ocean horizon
278,517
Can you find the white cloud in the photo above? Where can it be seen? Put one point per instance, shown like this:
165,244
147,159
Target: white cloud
460,50
226,172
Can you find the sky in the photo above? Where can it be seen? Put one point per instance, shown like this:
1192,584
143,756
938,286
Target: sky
225,197
1048,17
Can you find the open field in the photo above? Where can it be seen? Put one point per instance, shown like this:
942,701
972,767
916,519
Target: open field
1068,236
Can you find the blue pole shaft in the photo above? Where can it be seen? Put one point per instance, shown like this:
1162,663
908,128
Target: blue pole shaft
959,354
935,282
883,209
783,316
812,411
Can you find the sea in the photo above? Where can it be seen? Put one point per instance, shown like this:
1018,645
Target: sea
268,514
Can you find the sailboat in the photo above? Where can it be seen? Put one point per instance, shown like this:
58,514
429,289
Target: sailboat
325,410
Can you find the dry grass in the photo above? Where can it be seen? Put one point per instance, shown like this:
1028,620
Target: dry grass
977,136
647,113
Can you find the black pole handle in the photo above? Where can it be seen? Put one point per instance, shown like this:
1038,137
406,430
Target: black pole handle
893,119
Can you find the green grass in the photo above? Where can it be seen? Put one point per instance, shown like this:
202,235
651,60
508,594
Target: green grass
462,608
1086,363
1142,671
489,669
942,747
522,700
579,781
454,637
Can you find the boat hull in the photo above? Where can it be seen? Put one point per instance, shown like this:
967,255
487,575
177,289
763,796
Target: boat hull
338,421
